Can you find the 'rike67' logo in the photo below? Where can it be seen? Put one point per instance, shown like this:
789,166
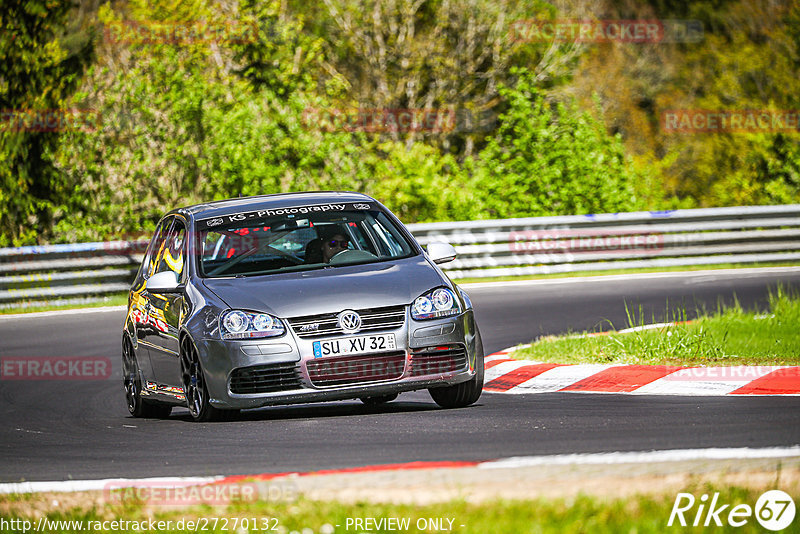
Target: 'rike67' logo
774,510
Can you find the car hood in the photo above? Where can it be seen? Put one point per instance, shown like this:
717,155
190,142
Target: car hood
330,290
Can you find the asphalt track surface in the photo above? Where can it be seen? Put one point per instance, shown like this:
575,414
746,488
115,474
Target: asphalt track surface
59,430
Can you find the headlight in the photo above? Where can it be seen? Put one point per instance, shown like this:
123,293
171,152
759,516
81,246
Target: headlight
237,324
434,304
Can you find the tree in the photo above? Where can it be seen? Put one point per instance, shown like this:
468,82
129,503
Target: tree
41,65
744,59
443,55
749,61
550,159
190,120
421,185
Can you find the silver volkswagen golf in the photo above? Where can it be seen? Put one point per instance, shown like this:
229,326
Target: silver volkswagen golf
293,298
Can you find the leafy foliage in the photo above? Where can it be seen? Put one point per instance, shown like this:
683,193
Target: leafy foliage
41,63
551,158
747,59
202,101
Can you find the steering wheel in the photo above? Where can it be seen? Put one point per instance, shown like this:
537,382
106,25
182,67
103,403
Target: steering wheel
338,255
351,255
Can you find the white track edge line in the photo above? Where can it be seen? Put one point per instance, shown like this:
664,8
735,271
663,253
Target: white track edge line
623,277
674,455
604,458
67,486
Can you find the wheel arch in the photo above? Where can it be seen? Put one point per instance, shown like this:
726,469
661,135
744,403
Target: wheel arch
142,363
128,330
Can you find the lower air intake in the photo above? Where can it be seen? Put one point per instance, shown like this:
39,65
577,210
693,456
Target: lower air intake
438,360
340,370
267,378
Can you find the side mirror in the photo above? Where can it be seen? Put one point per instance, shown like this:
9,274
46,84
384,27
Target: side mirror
163,282
441,252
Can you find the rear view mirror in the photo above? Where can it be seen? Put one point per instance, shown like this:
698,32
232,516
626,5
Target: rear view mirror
163,282
441,252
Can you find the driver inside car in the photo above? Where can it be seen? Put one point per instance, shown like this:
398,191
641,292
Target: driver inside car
333,244
331,241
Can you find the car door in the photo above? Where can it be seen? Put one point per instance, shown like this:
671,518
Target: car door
166,310
140,303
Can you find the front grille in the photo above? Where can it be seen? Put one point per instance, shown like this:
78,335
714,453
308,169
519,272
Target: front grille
267,378
339,370
371,319
438,360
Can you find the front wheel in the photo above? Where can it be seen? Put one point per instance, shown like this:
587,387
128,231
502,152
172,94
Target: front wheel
132,380
194,387
463,394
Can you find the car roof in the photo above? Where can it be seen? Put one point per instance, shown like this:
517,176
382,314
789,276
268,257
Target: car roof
220,208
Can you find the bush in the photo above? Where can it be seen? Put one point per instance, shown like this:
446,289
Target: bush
551,159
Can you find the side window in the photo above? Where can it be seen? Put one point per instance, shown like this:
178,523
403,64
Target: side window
171,253
362,237
157,243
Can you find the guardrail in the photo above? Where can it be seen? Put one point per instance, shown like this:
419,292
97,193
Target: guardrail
487,248
79,270
575,243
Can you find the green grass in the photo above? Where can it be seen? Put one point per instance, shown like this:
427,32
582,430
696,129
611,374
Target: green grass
730,336
688,268
641,514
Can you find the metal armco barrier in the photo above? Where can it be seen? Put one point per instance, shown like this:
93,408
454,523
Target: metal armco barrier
487,248
574,243
63,271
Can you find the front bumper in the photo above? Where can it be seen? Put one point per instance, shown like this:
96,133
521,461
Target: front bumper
284,370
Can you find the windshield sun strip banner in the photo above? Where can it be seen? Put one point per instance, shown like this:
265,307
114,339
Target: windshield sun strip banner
213,222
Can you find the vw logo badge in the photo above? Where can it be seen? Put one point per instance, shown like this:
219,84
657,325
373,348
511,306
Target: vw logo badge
349,321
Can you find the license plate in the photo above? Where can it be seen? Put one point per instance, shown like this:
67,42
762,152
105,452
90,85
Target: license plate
354,345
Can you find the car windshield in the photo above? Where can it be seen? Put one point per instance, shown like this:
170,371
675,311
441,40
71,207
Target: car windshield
250,244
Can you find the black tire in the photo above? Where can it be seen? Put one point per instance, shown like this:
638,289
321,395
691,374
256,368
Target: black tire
380,399
132,380
194,387
463,394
